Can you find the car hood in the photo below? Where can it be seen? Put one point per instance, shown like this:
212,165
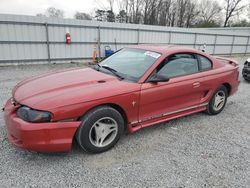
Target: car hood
69,87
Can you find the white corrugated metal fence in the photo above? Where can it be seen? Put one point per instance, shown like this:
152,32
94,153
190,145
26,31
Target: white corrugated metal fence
39,39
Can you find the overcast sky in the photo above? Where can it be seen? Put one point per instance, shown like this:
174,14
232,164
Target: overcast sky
32,7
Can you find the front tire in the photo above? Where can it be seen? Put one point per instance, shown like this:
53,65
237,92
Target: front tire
218,101
100,129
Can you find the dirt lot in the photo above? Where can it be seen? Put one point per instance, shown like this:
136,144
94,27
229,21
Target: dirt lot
194,151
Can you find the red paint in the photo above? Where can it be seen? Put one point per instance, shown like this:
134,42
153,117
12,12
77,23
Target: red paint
69,94
68,38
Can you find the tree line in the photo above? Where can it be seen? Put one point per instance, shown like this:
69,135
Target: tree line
174,13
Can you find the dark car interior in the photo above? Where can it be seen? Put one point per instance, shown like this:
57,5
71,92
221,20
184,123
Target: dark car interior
178,64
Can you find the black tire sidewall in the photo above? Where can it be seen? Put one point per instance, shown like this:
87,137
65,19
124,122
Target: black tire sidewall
89,119
211,110
247,79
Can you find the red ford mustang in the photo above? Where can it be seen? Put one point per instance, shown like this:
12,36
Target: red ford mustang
136,87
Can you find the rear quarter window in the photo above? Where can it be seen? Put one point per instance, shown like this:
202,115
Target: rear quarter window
205,63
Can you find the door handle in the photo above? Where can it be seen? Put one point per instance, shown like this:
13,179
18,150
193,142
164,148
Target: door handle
196,84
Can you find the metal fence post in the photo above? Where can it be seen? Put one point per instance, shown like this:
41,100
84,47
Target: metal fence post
47,41
247,45
195,38
169,39
99,42
138,36
232,46
215,41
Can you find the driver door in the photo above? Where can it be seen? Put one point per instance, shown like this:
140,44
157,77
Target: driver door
182,91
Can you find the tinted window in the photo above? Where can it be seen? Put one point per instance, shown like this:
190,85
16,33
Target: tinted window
205,63
179,64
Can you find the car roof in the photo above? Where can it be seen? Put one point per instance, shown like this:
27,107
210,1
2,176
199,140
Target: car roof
164,49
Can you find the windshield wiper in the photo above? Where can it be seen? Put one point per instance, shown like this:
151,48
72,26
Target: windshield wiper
96,66
112,71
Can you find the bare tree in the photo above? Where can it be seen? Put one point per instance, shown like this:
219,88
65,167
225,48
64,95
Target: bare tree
210,10
182,5
183,13
111,4
100,15
241,23
152,20
122,5
110,16
122,16
147,4
155,12
40,15
126,6
164,12
191,13
134,11
53,12
232,8
173,14
180,13
82,16
248,11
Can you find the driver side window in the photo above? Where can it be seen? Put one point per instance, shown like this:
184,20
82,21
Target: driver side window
178,65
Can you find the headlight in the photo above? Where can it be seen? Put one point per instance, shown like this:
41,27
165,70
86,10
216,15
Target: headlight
35,116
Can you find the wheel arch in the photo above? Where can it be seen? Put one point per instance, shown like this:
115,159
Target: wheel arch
121,111
228,86
116,107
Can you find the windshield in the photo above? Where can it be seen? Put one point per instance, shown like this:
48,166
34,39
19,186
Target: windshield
131,63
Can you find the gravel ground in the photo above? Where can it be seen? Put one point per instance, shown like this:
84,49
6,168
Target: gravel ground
194,151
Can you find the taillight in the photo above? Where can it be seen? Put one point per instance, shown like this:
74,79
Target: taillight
233,63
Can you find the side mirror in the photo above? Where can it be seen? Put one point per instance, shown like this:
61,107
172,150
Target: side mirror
158,78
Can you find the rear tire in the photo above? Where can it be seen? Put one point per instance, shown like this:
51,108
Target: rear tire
100,129
247,79
218,101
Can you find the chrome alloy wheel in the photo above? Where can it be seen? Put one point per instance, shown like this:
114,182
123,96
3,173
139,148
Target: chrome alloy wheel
103,132
219,100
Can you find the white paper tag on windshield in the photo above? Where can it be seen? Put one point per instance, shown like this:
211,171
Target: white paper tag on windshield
152,54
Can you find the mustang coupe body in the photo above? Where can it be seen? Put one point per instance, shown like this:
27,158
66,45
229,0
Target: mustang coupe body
136,87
